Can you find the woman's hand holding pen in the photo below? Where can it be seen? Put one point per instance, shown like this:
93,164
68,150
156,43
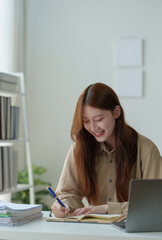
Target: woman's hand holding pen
60,211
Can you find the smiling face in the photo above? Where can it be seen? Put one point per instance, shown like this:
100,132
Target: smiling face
101,124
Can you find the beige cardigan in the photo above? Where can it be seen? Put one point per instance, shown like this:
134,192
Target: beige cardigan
148,165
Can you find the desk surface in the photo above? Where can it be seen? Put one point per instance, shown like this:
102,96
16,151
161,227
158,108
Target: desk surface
42,230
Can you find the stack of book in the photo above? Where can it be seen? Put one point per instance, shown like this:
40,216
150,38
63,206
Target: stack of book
14,214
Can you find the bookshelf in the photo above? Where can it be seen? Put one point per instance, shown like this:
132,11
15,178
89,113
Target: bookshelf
14,134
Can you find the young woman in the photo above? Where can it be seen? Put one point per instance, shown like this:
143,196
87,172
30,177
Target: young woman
106,154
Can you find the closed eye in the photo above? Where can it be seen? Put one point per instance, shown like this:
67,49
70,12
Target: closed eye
99,120
85,121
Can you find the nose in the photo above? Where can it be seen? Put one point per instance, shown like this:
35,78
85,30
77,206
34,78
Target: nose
93,126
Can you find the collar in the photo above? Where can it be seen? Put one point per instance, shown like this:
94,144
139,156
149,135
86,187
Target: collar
104,148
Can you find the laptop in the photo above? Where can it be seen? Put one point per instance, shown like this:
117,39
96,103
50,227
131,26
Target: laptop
145,207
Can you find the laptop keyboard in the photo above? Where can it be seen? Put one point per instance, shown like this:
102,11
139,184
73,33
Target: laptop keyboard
121,225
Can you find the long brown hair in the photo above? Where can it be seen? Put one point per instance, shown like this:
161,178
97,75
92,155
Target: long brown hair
101,96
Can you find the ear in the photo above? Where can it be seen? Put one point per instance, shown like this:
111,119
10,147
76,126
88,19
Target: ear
117,111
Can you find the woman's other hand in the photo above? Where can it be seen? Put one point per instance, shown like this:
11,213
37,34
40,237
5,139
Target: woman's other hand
100,209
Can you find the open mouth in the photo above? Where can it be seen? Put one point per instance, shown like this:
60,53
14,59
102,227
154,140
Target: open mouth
98,134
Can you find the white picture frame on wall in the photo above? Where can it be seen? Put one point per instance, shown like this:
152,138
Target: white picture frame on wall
129,83
129,52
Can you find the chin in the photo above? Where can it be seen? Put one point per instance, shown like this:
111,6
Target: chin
100,140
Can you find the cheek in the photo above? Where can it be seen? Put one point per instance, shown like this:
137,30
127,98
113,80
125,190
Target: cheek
102,125
86,126
109,124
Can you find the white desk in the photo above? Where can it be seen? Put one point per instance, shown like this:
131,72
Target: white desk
42,230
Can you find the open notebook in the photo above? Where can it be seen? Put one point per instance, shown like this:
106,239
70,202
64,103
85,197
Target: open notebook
90,218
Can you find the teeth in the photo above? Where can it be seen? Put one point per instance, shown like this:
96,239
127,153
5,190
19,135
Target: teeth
98,133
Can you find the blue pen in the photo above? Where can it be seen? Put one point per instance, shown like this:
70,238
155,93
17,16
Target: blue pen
55,196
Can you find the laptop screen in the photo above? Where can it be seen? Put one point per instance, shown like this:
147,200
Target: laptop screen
145,206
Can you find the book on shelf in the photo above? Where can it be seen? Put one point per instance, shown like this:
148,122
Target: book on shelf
1,172
8,77
90,218
14,214
8,82
12,168
9,119
5,164
15,115
8,168
3,117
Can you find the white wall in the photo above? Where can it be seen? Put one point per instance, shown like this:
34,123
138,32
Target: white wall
7,39
69,44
